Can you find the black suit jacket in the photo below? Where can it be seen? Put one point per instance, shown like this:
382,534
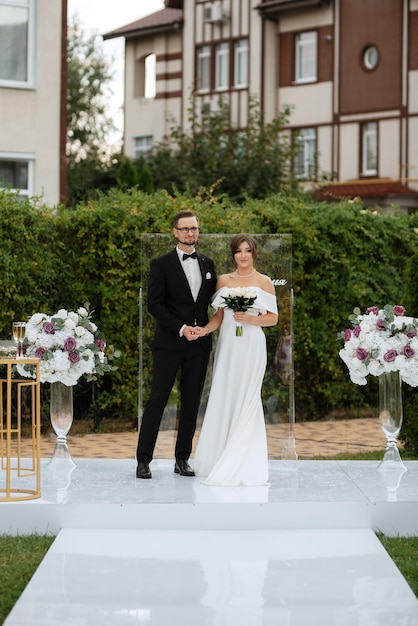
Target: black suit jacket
171,303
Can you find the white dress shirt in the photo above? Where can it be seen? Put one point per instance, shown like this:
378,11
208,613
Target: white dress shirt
192,270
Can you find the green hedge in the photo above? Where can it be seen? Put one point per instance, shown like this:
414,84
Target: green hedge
343,257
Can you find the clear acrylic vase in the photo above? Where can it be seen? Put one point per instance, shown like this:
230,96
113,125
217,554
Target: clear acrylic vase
391,416
61,415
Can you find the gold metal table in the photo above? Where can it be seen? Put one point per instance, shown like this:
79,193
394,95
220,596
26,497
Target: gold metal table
20,401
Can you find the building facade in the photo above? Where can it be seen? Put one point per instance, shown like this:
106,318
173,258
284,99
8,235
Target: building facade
33,97
347,68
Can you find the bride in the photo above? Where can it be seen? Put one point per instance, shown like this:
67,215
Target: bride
232,447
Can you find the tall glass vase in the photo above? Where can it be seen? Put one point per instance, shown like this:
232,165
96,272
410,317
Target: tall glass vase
61,415
391,416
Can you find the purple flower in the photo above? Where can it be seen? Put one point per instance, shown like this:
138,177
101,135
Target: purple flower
347,334
398,310
49,328
380,324
356,331
101,344
408,352
372,309
74,357
361,354
70,344
39,353
412,333
390,356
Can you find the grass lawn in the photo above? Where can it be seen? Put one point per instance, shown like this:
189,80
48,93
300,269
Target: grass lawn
19,558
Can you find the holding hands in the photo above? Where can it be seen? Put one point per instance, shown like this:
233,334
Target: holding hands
200,331
190,332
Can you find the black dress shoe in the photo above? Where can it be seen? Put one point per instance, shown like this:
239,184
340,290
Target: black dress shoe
183,468
143,470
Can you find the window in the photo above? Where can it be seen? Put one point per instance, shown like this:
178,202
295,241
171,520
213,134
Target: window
371,57
241,63
222,66
203,69
369,149
306,57
150,76
17,43
214,64
305,153
142,145
145,77
16,173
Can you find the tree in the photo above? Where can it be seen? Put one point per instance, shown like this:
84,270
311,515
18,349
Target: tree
250,162
88,124
127,175
145,180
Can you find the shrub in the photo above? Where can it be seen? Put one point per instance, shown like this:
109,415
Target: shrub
343,256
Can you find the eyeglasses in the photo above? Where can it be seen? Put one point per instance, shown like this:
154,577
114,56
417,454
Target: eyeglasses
185,230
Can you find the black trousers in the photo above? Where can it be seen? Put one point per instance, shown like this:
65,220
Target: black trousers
192,364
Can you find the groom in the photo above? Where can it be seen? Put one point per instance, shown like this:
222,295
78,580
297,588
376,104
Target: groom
180,287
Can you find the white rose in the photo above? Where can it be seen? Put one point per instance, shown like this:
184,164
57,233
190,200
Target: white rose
69,324
36,319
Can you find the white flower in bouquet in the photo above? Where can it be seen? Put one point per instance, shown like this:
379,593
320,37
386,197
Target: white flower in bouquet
381,340
69,346
240,299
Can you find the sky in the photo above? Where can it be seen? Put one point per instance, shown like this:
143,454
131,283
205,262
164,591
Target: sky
103,16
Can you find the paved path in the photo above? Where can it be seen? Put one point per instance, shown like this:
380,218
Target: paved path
312,439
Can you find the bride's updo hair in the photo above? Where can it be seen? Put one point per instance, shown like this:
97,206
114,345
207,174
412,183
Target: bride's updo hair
239,239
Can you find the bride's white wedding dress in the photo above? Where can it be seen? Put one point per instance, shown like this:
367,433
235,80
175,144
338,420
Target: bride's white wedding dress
232,447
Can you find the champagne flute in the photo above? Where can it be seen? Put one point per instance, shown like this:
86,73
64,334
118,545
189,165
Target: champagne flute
19,330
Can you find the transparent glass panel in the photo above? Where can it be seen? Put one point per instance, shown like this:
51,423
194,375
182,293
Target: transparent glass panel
274,259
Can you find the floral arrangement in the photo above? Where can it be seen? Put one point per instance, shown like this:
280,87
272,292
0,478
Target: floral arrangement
69,345
240,299
381,340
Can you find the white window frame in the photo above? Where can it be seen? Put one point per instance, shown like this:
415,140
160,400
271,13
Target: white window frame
222,66
203,69
306,57
241,63
27,158
369,149
141,145
29,82
305,156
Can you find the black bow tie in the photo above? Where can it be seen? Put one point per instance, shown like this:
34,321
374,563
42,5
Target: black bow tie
193,255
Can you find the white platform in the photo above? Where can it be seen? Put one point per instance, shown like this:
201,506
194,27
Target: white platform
304,495
170,551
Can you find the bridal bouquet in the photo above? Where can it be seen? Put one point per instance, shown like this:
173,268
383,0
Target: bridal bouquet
381,340
69,345
240,299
